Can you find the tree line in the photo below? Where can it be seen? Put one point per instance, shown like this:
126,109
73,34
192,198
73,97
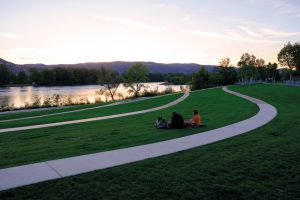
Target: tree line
249,69
55,76
74,76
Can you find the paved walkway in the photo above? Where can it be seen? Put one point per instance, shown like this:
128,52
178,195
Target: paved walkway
55,169
95,118
59,113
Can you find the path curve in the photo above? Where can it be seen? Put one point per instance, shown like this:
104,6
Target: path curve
79,110
55,169
22,128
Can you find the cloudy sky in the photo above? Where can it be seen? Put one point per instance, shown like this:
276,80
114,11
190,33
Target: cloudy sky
167,31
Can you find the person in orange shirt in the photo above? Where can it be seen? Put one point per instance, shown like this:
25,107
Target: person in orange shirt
196,121
196,118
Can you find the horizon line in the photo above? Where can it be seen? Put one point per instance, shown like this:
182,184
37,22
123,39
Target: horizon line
109,62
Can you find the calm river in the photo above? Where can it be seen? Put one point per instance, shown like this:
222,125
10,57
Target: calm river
19,96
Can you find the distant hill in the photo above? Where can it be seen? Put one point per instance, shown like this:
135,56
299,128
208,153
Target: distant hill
13,67
119,66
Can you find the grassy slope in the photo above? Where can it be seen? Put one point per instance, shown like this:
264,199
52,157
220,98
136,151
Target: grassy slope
123,108
34,112
263,164
44,112
216,108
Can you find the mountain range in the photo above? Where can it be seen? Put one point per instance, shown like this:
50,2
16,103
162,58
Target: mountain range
119,66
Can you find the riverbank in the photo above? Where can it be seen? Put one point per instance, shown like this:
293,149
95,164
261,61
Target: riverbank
45,108
33,97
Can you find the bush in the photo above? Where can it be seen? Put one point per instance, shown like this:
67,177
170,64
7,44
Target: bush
168,90
36,102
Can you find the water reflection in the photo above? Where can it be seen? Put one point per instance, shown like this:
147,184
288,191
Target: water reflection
20,96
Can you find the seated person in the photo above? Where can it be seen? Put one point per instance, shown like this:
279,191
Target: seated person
196,121
177,121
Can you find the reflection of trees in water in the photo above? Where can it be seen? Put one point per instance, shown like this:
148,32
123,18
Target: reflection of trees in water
29,100
4,100
106,95
53,101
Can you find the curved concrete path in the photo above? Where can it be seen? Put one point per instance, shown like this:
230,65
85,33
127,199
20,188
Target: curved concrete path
22,128
54,169
78,110
60,113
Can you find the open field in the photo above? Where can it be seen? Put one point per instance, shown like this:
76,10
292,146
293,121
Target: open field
262,164
216,107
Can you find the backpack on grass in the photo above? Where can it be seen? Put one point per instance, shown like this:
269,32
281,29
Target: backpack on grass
161,123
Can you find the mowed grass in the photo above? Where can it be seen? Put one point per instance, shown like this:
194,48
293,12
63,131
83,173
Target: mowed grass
37,112
216,107
261,164
97,112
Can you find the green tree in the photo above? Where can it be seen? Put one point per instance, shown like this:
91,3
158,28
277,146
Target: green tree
35,76
297,55
63,76
176,78
247,60
215,79
289,56
285,74
110,80
22,77
4,75
134,78
260,69
48,77
225,62
247,67
227,73
78,77
200,79
13,78
271,71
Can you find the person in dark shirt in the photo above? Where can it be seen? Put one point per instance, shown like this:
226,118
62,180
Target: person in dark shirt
177,121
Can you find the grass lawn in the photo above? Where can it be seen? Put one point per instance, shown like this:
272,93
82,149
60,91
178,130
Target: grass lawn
33,112
262,164
216,107
123,108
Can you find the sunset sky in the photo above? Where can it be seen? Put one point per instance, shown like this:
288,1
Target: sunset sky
185,31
